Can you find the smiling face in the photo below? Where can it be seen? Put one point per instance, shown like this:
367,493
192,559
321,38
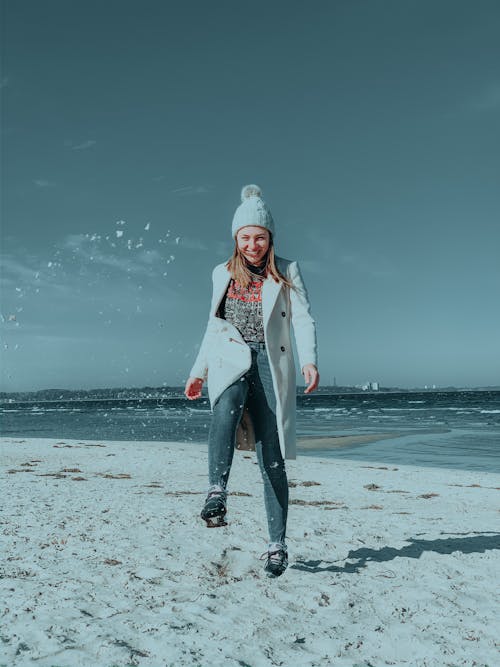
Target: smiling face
253,243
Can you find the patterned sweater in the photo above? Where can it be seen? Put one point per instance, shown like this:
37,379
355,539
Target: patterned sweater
243,307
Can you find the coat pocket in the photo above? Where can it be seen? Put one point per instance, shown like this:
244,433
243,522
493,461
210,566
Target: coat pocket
233,340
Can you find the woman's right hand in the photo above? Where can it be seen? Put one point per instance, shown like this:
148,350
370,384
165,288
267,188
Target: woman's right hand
193,387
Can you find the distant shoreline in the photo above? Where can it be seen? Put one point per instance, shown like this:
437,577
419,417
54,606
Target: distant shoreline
82,395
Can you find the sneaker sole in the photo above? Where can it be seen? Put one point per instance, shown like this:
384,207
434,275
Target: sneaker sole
215,521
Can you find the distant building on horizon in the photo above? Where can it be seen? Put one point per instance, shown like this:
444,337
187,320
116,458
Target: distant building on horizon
369,386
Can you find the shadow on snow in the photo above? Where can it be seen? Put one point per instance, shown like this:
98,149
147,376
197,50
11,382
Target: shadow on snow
478,543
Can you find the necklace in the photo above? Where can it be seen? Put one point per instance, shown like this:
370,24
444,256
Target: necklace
257,271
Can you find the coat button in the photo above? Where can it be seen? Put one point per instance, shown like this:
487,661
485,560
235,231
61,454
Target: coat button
283,314
282,348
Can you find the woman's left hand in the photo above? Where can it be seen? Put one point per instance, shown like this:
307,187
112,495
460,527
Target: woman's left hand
311,377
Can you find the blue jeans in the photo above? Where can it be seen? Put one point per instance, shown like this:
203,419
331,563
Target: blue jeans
255,389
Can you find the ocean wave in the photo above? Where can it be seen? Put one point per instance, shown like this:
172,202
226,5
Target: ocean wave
385,417
405,409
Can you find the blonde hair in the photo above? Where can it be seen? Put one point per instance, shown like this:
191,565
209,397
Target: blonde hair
240,272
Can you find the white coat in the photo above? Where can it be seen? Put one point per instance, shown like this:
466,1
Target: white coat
224,356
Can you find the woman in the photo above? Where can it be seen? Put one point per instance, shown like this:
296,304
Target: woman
246,356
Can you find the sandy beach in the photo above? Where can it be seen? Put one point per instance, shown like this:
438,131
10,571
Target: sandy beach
106,562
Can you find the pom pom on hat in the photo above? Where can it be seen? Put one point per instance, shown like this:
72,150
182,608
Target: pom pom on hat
250,191
253,211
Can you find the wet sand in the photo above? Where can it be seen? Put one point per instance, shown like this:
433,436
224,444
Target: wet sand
338,441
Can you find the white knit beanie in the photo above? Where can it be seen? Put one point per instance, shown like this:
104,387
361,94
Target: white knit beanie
252,211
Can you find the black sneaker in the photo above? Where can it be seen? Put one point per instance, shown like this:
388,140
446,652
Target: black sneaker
215,509
277,561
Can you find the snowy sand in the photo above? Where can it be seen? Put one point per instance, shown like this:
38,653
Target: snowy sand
106,562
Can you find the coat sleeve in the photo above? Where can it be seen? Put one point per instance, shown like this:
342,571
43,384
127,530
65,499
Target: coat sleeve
200,366
304,327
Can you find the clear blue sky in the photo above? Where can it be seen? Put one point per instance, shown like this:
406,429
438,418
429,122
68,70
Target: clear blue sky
128,129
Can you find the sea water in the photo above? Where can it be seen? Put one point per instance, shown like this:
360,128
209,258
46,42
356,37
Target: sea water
450,429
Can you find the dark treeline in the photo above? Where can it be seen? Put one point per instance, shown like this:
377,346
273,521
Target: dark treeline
136,393
91,394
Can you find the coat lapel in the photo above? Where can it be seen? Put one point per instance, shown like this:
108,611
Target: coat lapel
270,291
